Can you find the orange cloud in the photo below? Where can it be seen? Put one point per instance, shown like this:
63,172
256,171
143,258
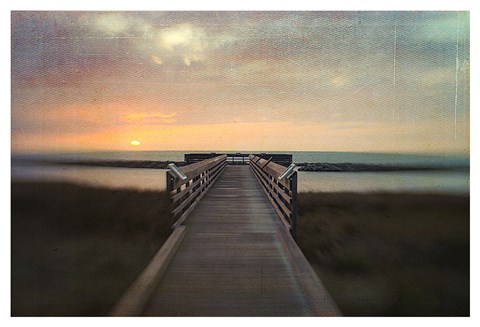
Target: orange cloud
155,117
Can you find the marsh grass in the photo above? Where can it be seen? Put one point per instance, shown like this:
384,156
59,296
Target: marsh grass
389,254
76,249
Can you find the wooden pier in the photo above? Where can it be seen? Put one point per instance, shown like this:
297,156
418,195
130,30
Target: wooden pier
233,251
240,158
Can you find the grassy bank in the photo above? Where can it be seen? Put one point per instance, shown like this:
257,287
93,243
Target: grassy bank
389,254
76,249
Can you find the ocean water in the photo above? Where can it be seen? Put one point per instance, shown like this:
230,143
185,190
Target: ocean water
298,157
439,181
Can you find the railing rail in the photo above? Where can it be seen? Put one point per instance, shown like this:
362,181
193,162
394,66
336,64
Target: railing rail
240,158
185,194
282,193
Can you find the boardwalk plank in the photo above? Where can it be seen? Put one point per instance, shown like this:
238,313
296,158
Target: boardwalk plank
235,261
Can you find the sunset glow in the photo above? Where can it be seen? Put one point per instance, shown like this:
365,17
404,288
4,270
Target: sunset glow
284,81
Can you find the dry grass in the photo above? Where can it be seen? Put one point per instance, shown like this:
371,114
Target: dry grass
389,254
76,249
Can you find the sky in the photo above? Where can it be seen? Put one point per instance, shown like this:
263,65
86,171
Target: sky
264,81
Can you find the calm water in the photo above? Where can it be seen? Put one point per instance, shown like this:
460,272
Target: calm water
143,179
418,181
415,181
298,157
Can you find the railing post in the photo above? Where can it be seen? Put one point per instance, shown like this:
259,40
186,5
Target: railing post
169,181
293,188
186,189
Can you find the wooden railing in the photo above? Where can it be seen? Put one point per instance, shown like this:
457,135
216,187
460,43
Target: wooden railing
281,193
240,158
185,194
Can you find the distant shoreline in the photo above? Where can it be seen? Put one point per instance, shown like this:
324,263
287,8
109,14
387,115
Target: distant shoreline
305,166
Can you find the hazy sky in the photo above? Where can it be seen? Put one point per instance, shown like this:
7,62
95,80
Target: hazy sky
318,81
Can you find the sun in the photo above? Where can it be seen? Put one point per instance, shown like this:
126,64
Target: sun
135,143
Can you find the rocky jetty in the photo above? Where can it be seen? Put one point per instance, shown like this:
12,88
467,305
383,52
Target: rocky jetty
119,163
305,166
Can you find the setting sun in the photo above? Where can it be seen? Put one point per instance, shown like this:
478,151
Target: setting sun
391,97
135,143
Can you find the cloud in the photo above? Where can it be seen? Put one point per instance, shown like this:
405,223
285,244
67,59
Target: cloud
157,60
184,41
113,23
308,67
151,118
441,75
445,27
340,80
177,36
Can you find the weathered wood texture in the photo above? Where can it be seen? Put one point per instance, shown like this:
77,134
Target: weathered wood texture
186,194
139,293
281,193
238,260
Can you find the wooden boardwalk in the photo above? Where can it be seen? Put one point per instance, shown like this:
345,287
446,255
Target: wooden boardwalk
237,259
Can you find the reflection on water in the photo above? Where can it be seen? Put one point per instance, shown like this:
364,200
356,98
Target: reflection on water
143,179
404,181
154,179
